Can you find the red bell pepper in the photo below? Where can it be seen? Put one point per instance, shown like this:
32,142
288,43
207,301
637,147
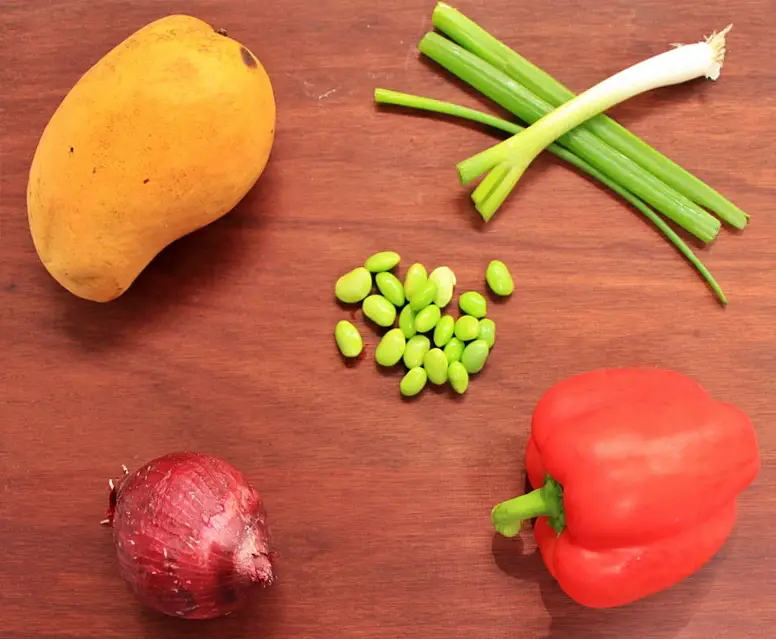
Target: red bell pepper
637,472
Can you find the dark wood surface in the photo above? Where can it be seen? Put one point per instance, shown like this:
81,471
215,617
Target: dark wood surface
379,508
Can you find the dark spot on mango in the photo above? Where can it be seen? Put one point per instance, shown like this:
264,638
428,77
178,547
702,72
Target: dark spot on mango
248,58
220,31
146,181
71,149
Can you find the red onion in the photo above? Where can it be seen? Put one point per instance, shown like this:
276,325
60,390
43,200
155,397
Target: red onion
191,535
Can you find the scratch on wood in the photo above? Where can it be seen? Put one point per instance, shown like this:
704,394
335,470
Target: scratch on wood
307,86
411,47
325,95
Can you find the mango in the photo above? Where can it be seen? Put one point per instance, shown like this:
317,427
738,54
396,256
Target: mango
162,136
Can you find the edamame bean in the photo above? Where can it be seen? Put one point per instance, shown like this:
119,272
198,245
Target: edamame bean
487,331
391,348
416,350
445,281
467,328
454,350
407,321
379,310
474,304
416,278
458,377
348,339
475,355
391,288
353,286
383,261
423,296
444,330
413,382
427,318
435,364
499,278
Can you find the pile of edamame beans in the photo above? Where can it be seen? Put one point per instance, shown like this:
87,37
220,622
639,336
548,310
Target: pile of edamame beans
434,347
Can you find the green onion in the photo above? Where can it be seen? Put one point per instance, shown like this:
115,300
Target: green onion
385,96
475,39
396,98
680,64
500,88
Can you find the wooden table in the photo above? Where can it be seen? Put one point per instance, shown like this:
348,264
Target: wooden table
379,507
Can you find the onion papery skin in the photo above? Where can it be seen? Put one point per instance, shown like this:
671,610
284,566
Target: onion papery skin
191,535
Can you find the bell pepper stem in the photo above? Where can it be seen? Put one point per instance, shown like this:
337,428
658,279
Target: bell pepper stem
547,501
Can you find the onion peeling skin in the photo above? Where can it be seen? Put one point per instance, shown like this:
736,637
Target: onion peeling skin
191,535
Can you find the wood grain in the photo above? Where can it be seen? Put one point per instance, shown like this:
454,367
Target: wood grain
379,507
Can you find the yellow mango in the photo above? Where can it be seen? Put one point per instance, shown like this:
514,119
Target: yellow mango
162,136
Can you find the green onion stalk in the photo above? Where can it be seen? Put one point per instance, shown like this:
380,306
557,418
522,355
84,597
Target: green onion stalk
512,157
385,96
509,94
475,39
